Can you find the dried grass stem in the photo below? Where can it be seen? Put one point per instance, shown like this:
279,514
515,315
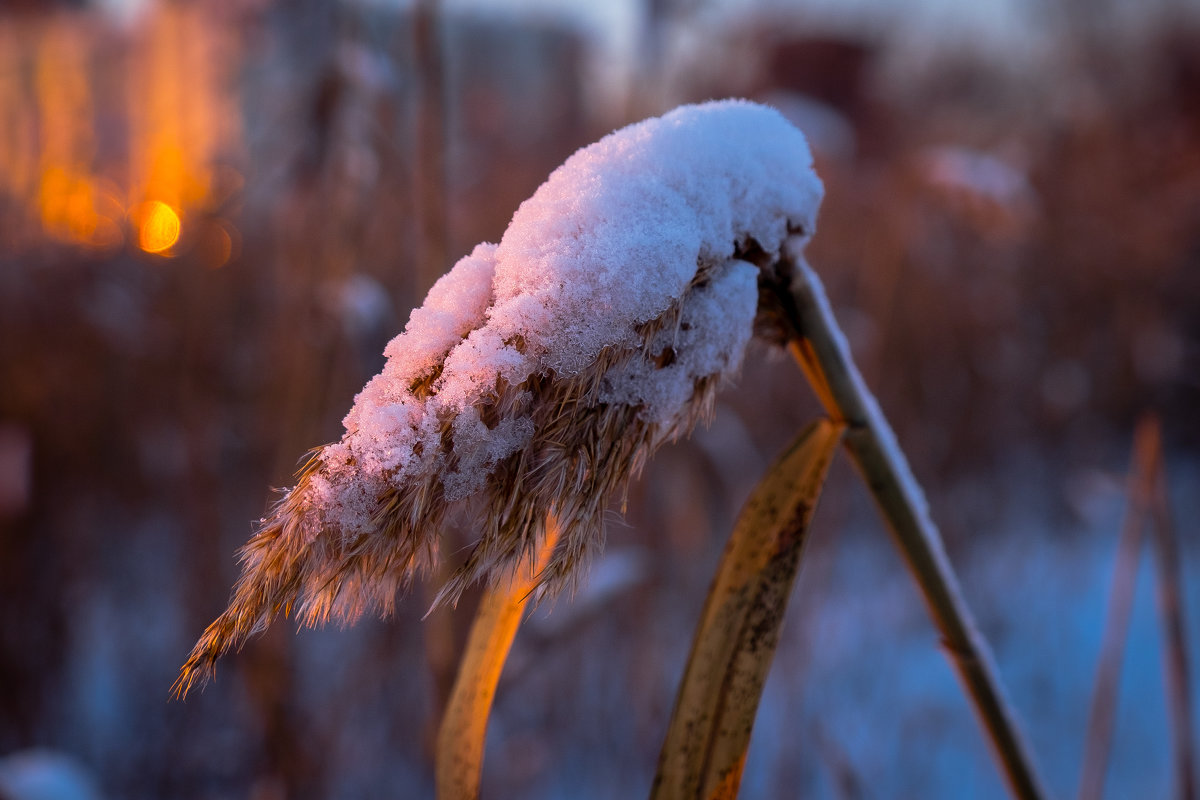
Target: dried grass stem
823,352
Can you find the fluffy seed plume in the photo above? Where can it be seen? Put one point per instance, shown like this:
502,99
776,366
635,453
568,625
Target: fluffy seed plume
541,372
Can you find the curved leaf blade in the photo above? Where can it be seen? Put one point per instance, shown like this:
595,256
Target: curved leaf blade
734,645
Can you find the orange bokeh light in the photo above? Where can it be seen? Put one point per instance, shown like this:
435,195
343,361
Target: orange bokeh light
163,98
158,227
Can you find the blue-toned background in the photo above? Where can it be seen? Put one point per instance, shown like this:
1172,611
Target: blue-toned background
213,216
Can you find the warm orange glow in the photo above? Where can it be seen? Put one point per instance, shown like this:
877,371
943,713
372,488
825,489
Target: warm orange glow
66,204
158,227
177,110
66,194
164,94
77,208
18,136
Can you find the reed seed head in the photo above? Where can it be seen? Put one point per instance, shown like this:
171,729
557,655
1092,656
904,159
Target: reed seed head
541,372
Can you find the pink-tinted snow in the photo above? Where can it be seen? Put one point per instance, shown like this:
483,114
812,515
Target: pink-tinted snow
612,239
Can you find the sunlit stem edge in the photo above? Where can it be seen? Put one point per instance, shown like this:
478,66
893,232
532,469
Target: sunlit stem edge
873,449
463,730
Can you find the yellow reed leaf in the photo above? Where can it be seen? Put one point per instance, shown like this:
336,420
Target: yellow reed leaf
734,645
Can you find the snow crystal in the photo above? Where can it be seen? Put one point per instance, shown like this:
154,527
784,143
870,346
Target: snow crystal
641,222
714,329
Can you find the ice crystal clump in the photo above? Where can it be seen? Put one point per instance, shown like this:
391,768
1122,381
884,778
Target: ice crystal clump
540,372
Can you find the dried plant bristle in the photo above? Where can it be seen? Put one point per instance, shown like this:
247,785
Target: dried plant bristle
540,373
583,451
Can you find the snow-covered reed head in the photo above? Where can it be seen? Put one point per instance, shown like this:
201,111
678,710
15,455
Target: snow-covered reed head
540,372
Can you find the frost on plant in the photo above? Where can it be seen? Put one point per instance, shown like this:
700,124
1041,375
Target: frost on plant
540,372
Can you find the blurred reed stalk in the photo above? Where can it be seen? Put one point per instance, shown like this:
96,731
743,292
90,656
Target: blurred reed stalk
431,254
1170,609
1102,714
460,743
705,748
1147,498
430,163
823,354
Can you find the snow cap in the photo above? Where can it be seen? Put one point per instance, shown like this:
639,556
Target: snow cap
609,242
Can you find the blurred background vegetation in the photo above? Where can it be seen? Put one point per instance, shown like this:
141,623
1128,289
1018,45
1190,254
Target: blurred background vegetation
213,216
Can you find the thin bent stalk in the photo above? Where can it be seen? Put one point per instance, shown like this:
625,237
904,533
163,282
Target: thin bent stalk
1147,493
1098,742
821,349
461,737
705,747
430,163
1170,607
